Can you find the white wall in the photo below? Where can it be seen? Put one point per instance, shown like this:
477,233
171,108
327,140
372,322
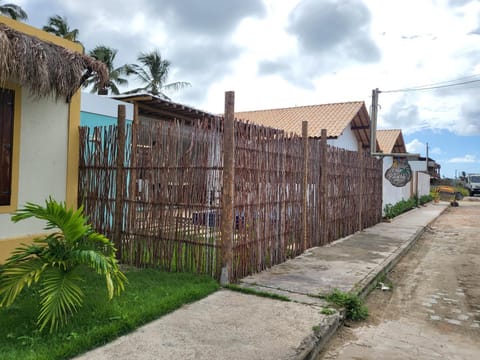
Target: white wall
392,194
418,165
423,184
43,159
102,105
347,140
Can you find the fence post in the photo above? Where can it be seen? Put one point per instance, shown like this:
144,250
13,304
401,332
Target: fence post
323,185
305,184
119,184
361,197
227,218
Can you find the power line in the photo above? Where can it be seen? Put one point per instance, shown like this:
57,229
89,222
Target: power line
449,83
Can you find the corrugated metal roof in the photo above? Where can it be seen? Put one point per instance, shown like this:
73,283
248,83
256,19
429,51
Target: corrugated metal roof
390,141
332,117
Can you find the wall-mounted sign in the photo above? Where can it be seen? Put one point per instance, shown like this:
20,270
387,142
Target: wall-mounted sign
400,173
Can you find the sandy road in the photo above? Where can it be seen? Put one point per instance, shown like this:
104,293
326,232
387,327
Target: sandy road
433,311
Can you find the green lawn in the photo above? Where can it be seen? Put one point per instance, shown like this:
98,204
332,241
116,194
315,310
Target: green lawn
148,295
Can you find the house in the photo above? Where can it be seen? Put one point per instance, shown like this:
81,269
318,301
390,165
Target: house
347,123
40,75
97,110
391,142
430,166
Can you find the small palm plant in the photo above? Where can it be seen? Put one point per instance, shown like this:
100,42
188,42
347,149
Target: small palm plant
53,261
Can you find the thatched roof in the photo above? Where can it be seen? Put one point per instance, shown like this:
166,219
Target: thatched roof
45,68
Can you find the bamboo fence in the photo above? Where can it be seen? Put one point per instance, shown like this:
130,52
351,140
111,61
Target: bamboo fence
162,199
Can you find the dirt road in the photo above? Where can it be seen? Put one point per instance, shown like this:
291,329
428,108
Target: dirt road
433,311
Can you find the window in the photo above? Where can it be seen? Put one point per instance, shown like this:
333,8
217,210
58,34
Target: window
7,102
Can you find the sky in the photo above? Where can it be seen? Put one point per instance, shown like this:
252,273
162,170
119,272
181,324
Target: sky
283,53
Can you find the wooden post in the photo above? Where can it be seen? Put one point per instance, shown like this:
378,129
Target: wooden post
361,190
227,219
324,186
119,185
305,184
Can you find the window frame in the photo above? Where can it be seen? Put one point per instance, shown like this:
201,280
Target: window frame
15,148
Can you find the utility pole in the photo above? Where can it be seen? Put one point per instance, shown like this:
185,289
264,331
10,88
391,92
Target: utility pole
373,121
426,160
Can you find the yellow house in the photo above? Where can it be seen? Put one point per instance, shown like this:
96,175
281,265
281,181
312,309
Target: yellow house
40,77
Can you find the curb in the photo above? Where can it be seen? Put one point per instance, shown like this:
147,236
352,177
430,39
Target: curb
366,285
315,343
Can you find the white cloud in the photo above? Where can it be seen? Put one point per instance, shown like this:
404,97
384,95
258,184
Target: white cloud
466,159
415,146
436,151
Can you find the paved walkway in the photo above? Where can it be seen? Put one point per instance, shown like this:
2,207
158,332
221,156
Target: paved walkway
232,325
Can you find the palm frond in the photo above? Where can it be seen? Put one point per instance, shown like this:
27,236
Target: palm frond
15,278
176,85
71,222
60,297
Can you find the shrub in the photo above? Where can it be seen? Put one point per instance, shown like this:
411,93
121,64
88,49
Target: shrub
354,307
400,207
52,261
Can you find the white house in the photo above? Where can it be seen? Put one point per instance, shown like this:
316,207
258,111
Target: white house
347,123
40,75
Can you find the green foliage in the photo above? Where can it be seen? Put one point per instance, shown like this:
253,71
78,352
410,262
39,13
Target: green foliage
462,190
149,294
256,292
425,199
400,207
327,311
52,262
354,307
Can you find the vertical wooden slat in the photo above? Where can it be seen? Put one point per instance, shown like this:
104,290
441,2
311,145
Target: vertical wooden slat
119,184
305,184
228,189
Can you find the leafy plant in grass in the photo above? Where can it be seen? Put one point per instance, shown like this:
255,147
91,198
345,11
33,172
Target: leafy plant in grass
354,307
53,261
400,207
425,199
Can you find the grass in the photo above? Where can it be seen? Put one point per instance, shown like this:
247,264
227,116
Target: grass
354,307
256,292
149,295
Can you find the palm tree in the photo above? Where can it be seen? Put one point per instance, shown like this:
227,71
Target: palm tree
107,55
13,11
53,261
58,25
153,72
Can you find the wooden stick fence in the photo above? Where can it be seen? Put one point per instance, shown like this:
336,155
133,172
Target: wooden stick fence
220,196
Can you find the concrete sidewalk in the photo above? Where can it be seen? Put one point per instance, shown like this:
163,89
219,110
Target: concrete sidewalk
232,325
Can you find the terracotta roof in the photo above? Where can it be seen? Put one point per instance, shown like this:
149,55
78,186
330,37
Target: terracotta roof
335,118
332,117
390,141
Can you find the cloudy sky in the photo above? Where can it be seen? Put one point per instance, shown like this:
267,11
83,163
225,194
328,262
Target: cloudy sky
281,53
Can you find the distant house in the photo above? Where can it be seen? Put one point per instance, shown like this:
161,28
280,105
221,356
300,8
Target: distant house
148,107
97,110
391,142
430,166
40,75
347,123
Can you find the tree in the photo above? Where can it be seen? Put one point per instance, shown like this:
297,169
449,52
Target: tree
58,25
53,261
13,11
153,72
107,55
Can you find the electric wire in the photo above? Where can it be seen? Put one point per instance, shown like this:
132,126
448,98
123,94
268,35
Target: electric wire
438,85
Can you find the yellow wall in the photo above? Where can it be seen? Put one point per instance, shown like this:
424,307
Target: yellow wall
8,244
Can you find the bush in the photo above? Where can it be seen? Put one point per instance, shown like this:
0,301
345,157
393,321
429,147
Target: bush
354,307
425,199
400,207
